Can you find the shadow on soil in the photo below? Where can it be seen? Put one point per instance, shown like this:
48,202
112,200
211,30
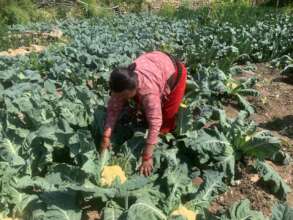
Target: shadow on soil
284,79
284,125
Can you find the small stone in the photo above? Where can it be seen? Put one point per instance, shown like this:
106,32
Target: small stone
93,215
237,182
254,178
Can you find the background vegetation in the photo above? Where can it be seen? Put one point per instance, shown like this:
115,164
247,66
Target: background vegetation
237,12
24,11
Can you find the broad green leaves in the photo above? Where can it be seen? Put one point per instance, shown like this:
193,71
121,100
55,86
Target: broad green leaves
224,144
9,152
241,211
282,212
285,63
144,209
276,184
52,111
112,212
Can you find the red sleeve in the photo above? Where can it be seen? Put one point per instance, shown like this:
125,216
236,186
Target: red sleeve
153,111
115,106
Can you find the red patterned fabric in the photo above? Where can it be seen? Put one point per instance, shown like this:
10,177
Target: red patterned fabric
171,106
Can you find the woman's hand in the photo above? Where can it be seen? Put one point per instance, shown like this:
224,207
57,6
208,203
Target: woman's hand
146,167
106,144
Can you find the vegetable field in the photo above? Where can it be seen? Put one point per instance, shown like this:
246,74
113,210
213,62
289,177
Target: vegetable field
52,110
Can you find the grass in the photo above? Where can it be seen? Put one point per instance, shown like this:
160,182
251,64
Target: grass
235,13
24,11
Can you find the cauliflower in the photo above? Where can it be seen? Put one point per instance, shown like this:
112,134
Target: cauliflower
232,85
109,174
182,211
248,138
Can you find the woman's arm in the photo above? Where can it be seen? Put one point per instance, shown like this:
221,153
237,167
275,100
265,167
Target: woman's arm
114,108
153,111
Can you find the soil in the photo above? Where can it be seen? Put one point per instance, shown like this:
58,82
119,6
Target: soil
275,105
93,215
28,42
23,50
155,4
274,112
247,188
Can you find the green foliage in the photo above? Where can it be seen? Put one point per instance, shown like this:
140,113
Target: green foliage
242,210
167,10
225,144
52,109
282,211
213,87
285,63
275,183
14,12
92,8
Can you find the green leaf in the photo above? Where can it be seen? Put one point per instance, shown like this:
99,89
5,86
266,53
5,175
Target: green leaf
143,209
245,104
282,212
207,147
112,212
261,145
281,157
177,183
213,185
242,211
275,183
9,153
61,205
288,70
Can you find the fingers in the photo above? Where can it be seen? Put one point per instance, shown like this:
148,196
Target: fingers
146,170
141,170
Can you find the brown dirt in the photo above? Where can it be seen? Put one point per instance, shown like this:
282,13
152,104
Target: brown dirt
23,50
246,188
155,4
275,105
93,215
274,112
11,219
231,111
55,33
35,42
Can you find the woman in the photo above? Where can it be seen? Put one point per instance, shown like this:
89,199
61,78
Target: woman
157,83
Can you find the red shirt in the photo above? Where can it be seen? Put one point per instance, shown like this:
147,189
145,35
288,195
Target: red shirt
153,70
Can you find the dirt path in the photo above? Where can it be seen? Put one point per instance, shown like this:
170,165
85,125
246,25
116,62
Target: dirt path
23,51
275,105
157,4
274,112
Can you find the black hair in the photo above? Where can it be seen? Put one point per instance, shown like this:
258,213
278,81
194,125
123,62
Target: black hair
123,78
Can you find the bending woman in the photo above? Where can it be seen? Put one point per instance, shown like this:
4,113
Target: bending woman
156,81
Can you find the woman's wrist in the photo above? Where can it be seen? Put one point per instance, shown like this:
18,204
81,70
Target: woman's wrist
147,157
107,133
106,136
148,152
